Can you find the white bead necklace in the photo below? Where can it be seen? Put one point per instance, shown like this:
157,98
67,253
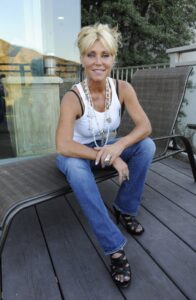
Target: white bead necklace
102,134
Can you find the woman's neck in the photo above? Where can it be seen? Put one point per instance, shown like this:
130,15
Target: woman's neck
96,86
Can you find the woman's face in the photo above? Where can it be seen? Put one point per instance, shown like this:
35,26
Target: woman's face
97,62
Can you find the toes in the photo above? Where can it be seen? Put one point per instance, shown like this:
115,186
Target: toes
122,278
139,228
126,278
119,278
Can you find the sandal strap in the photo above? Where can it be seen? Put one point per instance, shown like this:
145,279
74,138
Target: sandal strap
118,271
132,222
120,261
120,265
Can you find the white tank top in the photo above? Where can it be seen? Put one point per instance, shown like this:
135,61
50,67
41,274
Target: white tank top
82,132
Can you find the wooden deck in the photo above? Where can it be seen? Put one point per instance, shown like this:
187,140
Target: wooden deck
51,254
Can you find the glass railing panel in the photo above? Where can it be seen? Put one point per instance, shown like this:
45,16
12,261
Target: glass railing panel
38,64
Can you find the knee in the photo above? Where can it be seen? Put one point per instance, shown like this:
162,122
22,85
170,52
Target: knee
147,146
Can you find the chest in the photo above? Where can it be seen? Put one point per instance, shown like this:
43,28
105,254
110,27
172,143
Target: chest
99,101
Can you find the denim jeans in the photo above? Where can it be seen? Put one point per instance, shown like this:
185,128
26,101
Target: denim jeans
79,174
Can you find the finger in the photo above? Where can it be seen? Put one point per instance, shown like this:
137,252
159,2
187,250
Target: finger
126,177
113,158
107,159
98,157
104,160
126,174
120,178
101,155
97,148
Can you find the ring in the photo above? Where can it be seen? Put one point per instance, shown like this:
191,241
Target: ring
107,160
125,177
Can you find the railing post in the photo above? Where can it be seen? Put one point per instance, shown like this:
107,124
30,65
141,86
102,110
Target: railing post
22,71
126,76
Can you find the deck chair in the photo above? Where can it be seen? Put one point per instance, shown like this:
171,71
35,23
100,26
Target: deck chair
32,181
160,92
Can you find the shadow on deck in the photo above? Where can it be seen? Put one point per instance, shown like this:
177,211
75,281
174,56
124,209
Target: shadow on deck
51,254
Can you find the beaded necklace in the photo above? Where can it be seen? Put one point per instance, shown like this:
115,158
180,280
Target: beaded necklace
102,134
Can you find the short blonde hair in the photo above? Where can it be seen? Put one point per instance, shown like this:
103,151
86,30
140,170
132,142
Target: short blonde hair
109,37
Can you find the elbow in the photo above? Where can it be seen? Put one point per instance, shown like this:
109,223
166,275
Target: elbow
59,150
62,149
147,129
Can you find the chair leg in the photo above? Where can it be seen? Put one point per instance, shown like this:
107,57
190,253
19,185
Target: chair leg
189,151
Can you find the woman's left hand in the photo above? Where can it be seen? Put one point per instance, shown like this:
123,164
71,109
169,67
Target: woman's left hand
107,154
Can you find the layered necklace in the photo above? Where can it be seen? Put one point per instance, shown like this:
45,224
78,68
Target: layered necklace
104,130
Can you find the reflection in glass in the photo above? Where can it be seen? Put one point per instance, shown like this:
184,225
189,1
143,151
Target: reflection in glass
38,63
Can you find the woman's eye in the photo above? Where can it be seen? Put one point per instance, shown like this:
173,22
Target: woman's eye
90,55
94,55
106,55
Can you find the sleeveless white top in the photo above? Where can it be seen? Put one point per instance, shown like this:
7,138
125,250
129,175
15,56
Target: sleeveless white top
82,132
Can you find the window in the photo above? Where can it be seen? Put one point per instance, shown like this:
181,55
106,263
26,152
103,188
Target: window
38,63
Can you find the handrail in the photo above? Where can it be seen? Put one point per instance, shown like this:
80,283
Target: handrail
123,73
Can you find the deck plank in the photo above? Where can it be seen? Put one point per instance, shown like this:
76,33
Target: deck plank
62,246
177,194
175,176
172,216
174,257
81,272
149,282
27,272
178,165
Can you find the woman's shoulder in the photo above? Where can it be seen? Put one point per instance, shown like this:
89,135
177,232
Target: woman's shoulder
124,87
124,84
120,83
73,92
73,99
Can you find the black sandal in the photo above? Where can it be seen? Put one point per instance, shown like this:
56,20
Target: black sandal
131,223
120,266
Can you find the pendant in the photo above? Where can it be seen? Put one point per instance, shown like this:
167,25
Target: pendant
109,120
102,136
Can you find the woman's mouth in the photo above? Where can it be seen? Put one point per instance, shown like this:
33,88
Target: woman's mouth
98,71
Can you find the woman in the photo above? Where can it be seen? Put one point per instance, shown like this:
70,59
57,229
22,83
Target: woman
90,115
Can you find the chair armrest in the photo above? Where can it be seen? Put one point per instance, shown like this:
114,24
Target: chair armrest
191,126
166,137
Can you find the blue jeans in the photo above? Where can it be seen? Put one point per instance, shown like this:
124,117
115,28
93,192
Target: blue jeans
79,174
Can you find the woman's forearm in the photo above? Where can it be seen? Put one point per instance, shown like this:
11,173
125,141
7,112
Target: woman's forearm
75,149
136,135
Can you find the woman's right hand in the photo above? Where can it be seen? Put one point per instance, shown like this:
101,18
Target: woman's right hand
122,169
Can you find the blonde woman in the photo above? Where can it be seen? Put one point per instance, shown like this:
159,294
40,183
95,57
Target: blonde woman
85,139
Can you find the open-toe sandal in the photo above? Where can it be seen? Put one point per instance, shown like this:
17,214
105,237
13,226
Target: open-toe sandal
120,270
131,223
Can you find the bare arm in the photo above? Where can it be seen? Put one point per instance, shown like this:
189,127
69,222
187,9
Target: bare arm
69,111
142,124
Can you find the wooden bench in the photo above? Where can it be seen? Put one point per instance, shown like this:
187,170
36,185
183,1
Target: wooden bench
29,182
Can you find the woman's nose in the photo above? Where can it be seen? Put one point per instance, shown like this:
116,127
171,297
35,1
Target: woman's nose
98,60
